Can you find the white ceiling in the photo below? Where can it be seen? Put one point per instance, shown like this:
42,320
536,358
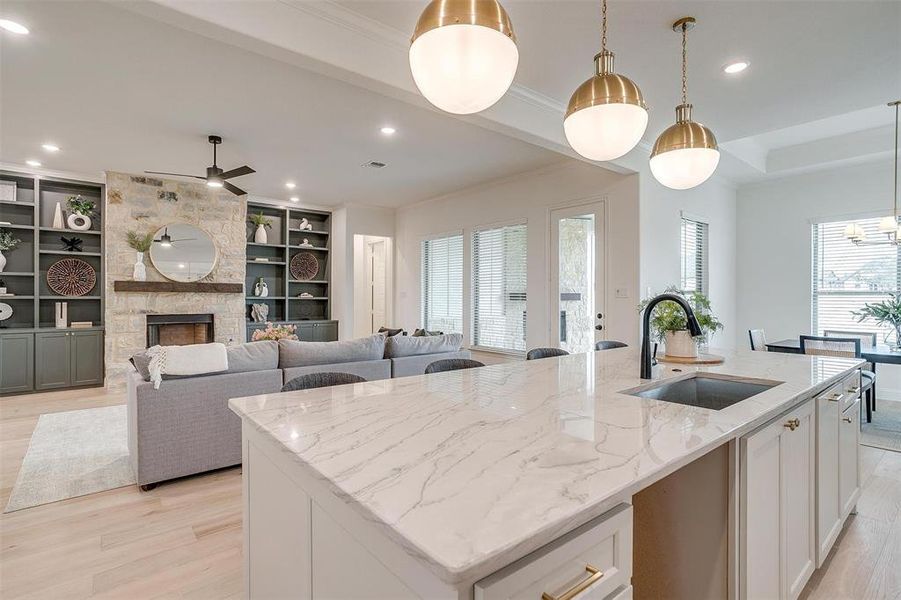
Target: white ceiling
120,91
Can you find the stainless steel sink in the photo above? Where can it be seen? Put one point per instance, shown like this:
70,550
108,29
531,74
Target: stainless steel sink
705,390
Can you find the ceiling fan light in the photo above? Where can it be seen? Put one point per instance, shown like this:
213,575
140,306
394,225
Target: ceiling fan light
463,54
686,154
214,182
607,115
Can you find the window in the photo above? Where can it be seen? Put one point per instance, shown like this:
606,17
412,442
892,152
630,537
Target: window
499,288
442,284
845,277
693,252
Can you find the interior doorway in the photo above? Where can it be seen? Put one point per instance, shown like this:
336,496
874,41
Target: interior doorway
373,287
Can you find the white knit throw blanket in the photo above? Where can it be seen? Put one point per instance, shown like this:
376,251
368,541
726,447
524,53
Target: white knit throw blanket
195,359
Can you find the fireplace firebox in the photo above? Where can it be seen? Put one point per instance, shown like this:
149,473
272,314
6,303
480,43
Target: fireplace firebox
179,330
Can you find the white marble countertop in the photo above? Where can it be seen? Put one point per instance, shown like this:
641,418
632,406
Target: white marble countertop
470,470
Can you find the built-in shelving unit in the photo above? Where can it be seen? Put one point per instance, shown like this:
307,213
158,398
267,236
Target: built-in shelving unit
30,218
284,241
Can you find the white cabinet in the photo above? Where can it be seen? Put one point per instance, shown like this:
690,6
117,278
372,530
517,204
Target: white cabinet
849,459
829,517
777,525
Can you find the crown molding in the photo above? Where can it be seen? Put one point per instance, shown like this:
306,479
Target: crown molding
42,172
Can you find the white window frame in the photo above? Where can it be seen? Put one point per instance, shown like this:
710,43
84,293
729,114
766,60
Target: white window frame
704,278
422,276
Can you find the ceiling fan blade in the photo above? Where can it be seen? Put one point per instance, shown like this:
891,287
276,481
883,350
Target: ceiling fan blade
245,170
184,240
233,189
176,174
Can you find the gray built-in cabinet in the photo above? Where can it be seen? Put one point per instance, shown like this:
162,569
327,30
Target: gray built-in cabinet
34,354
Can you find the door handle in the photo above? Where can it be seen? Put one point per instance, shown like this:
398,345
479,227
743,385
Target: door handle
599,327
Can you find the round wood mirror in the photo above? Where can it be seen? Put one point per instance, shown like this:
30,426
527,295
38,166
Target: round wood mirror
183,252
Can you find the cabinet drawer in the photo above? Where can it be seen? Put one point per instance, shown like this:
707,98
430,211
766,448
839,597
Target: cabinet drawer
596,557
850,387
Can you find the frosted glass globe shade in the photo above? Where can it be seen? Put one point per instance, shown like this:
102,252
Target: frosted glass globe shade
685,168
605,131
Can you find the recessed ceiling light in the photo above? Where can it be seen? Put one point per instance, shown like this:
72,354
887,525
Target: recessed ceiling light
387,130
181,265
290,185
50,147
13,27
295,199
33,163
736,67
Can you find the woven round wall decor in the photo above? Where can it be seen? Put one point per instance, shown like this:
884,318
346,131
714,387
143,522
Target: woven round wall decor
71,277
304,266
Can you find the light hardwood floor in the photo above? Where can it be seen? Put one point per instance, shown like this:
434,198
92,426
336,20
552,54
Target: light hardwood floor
183,539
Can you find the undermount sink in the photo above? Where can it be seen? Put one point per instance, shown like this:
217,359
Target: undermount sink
705,390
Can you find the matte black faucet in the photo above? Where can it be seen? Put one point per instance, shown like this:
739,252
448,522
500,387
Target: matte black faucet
694,328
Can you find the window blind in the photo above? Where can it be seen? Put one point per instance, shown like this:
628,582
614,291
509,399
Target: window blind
442,284
693,252
499,288
845,277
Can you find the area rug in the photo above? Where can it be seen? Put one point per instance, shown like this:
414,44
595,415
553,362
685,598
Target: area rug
73,454
885,430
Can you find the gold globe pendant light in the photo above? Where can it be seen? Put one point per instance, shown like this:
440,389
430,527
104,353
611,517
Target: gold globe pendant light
463,54
607,115
685,155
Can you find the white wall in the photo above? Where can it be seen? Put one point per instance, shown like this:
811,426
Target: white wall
347,222
661,213
528,196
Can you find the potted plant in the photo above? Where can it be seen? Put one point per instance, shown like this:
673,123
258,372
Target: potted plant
80,211
7,242
275,333
670,327
262,223
140,244
887,312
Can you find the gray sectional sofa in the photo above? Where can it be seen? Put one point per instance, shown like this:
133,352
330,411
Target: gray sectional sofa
185,427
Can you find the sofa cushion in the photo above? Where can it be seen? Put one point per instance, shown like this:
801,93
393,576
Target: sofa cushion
301,354
413,346
242,358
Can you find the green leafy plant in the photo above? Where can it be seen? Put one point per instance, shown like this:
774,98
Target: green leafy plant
887,312
80,206
7,241
136,241
261,219
669,316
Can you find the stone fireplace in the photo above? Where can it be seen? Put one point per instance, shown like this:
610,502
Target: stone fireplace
179,330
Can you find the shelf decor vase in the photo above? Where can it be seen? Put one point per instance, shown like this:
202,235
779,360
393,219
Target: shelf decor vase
79,222
62,314
2,262
139,273
58,222
261,289
680,344
260,236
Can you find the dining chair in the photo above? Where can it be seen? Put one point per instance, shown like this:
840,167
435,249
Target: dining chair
867,340
610,345
319,380
847,347
536,353
452,364
758,340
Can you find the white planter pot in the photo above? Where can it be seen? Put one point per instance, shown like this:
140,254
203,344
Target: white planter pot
680,344
2,262
260,236
139,273
79,222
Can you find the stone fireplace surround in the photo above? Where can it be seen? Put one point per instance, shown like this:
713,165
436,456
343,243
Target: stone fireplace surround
143,204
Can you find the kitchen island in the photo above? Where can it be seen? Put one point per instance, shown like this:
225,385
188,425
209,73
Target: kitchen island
507,481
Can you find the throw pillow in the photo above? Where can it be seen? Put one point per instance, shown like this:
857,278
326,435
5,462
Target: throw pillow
426,333
389,332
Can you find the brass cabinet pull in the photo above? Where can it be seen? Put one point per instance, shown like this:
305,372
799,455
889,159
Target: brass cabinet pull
594,576
834,397
854,390
846,419
792,424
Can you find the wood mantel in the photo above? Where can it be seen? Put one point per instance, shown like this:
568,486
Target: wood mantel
197,287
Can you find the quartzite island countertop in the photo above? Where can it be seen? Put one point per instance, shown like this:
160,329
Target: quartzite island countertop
469,470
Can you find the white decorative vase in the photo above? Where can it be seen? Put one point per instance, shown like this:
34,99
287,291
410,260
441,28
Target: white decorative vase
260,236
261,289
680,344
58,222
140,271
62,315
2,262
79,222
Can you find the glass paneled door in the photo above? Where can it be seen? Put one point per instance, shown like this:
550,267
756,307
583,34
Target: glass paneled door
577,277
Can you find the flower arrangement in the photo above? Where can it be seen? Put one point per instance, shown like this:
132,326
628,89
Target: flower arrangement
138,242
80,206
668,316
261,220
7,241
275,333
887,312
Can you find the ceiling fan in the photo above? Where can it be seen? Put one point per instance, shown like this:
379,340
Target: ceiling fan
166,240
216,177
